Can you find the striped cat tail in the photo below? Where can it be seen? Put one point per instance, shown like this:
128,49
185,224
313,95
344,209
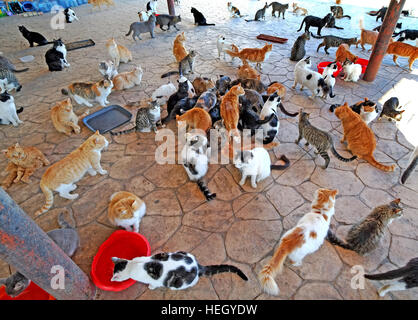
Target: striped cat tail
411,166
49,200
370,159
339,157
393,274
332,238
205,190
221,268
122,132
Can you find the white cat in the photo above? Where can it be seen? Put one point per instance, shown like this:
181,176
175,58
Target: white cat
8,112
163,93
108,68
329,78
352,71
271,128
222,45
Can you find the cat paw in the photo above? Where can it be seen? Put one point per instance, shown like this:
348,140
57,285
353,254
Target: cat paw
241,183
16,180
151,287
254,185
296,263
103,172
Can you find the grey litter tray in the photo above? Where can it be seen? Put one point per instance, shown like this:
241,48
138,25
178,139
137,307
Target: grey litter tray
107,119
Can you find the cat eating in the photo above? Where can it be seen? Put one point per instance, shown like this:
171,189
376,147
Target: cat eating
391,110
352,71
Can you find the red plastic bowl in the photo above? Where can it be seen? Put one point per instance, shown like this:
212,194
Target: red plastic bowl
121,244
363,63
322,65
32,292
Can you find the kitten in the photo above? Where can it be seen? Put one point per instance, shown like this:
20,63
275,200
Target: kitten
64,119
401,278
343,54
201,85
182,92
126,210
152,6
305,238
23,161
280,8
299,10
360,138
365,236
147,118
321,140
185,65
165,19
108,68
86,92
260,14
136,28
246,72
222,46
234,11
352,71
257,55
298,50
8,112
179,51
33,37
338,12
176,271
196,118
199,18
391,110
163,93
404,50
8,81
230,109
118,52
333,41
127,80
63,174
56,57
7,64
312,21
368,37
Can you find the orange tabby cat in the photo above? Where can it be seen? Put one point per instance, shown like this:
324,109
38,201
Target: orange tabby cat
127,80
344,53
246,72
196,118
23,161
229,108
257,55
360,138
368,37
179,50
62,175
64,119
404,50
201,85
118,52
281,89
126,210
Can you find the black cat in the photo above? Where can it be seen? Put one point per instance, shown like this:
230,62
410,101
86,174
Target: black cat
312,21
56,57
199,18
172,102
379,14
33,37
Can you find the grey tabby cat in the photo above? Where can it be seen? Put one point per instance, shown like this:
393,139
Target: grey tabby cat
185,65
165,19
66,238
146,118
8,81
260,14
281,8
298,49
333,41
365,236
142,27
7,64
321,140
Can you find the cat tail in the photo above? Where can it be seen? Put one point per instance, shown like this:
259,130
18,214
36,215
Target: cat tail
221,268
122,132
341,158
411,167
49,200
339,28
393,274
165,75
346,16
290,242
19,110
317,37
373,14
129,32
265,120
207,24
233,53
370,159
303,21
361,23
332,238
287,112
281,167
205,190
21,70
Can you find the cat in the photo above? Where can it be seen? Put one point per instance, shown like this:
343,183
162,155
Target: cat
33,37
182,92
202,84
281,91
331,24
260,14
70,15
281,8
360,138
367,110
127,80
398,26
249,118
338,12
8,81
165,19
299,10
257,55
136,28
247,72
329,77
66,237
368,37
152,6
391,110
108,68
365,236
333,41
64,119
222,84
196,118
321,140
126,210
23,161
252,84
147,118
56,57
179,51
352,71
311,79
344,53
118,52
199,18
298,50
185,66
380,14
207,100
270,129
407,34
401,278
8,112
175,271
404,50
312,21
305,238
222,46
63,175
163,93
230,109
86,92
234,11
7,64
144,15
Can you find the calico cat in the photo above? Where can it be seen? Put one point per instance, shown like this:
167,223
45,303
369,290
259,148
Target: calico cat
108,69
401,278
66,237
161,94
127,80
407,34
202,84
305,238
182,92
8,112
165,19
398,26
118,52
312,21
23,161
176,271
64,119
196,118
7,64
207,100
62,175
33,37
136,28
8,81
199,18
320,139
338,12
281,8
271,128
333,41
247,72
144,15
185,66
56,57
360,138
179,50
257,55
344,53
86,92
298,50
147,118
365,236
299,10
126,210
260,14
404,50
234,11
230,109
391,110
352,71
380,14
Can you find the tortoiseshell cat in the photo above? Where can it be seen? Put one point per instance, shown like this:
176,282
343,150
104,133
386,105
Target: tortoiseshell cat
391,110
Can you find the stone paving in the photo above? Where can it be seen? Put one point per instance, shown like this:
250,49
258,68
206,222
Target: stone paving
243,225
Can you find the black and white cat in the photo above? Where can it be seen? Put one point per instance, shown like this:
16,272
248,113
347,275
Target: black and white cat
329,77
8,112
176,271
271,128
56,57
70,15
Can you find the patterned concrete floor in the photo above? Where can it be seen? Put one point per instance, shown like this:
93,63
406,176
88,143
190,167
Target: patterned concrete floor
242,226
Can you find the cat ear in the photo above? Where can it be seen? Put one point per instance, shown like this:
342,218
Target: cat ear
397,201
17,145
402,111
134,204
334,192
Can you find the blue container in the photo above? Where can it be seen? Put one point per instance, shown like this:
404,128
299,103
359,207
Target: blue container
28,6
80,2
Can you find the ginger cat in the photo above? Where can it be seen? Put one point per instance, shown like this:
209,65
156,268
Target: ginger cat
201,85
247,72
179,50
360,138
126,210
62,175
277,87
257,55
229,108
368,37
23,161
118,52
64,119
404,50
127,80
299,10
344,53
196,118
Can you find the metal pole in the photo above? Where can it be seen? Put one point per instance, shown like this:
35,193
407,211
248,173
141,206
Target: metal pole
28,248
382,42
171,11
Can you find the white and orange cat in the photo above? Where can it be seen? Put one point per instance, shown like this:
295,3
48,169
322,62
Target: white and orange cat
126,210
118,52
305,238
127,80
62,175
64,119
87,92
179,51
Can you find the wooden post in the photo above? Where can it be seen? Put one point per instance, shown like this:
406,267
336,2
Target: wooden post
171,10
388,26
